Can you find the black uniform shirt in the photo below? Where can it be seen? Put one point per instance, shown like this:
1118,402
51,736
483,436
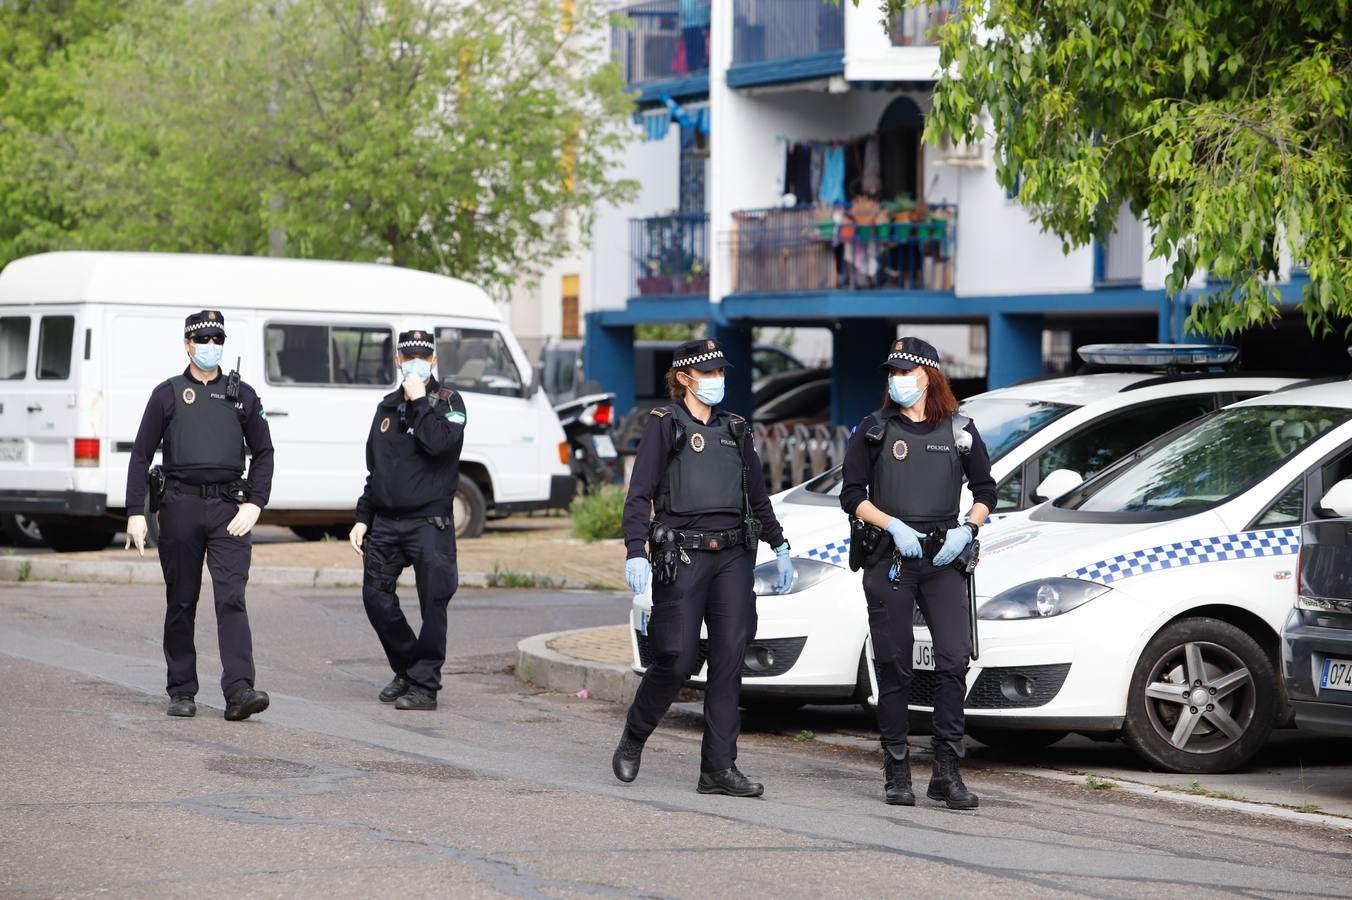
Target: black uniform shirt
654,451
861,457
413,456
155,421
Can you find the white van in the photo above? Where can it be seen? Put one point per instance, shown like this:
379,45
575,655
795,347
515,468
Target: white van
85,337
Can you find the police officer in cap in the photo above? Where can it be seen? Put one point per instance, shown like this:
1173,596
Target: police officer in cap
205,420
404,518
698,499
903,473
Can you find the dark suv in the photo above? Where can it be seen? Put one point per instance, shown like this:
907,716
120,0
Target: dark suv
1317,641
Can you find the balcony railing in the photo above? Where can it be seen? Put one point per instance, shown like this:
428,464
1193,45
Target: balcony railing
793,250
666,40
767,30
669,255
917,26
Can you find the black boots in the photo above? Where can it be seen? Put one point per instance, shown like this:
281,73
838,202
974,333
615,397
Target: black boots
182,705
246,702
897,777
415,699
395,689
628,755
730,782
946,785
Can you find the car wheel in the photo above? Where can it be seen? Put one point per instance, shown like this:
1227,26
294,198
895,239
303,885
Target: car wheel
321,532
1013,740
22,531
65,538
1203,698
468,508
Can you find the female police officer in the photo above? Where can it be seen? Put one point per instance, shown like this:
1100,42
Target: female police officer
903,473
698,498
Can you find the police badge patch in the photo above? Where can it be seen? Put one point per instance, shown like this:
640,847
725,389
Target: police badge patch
697,442
384,424
189,396
900,450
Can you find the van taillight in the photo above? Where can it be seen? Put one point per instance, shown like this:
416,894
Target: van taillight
86,451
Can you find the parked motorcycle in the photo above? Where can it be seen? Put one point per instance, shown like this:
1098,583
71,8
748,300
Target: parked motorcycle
586,424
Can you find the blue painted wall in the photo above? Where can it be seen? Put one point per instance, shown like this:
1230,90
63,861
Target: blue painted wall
858,348
1013,348
736,343
608,357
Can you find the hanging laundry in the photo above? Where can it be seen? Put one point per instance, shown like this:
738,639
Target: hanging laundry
832,188
816,160
871,181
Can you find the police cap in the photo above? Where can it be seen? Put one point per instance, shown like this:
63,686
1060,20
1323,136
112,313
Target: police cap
909,352
208,322
417,343
702,355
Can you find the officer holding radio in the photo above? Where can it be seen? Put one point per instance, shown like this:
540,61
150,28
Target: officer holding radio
902,482
698,500
404,518
206,509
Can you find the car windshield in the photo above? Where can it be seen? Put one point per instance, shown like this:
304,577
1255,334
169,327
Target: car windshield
1220,458
1006,422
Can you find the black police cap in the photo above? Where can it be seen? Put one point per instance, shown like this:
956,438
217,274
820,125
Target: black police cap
208,321
909,352
702,356
417,343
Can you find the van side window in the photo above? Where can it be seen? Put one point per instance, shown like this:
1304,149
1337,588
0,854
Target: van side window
56,339
1106,440
470,359
320,354
14,347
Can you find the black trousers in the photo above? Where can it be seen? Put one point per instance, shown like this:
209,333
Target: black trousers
941,593
193,527
715,589
391,545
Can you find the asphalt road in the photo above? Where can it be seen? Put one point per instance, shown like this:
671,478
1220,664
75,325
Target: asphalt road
506,791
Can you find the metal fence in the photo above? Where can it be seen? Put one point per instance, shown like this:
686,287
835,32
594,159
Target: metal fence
663,40
669,254
766,30
790,456
916,26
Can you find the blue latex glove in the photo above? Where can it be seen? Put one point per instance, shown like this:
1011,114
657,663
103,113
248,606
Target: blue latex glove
784,568
906,538
637,571
955,541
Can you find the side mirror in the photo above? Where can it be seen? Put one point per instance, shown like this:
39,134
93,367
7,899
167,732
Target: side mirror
1338,500
1057,482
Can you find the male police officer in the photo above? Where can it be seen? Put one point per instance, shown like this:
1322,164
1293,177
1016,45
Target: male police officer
208,509
404,518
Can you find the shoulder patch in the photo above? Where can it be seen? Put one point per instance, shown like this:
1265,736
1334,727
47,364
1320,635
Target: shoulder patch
659,411
456,417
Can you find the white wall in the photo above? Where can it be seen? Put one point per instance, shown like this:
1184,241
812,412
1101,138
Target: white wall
869,54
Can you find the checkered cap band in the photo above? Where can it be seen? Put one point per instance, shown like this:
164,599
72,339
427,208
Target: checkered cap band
1245,545
691,360
426,345
199,325
911,357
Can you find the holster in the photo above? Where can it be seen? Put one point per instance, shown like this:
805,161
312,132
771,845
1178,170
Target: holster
663,553
865,540
968,558
236,491
155,484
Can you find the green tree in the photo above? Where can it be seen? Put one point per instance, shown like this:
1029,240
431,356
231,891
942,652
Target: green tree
1223,123
473,140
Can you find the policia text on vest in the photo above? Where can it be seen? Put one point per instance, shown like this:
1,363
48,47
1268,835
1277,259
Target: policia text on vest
204,420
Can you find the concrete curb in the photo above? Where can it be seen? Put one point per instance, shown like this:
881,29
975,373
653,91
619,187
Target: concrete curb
545,668
100,571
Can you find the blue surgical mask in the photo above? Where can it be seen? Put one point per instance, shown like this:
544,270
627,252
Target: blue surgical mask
904,390
710,391
207,356
420,367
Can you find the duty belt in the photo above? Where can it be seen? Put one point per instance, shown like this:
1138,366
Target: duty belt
709,540
225,489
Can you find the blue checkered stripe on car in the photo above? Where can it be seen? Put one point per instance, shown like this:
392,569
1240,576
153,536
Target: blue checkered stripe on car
1248,544
834,552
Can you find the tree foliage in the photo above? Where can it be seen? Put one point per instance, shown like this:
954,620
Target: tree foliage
1223,123
472,139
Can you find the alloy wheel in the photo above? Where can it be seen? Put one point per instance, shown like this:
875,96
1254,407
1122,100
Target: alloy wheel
1200,697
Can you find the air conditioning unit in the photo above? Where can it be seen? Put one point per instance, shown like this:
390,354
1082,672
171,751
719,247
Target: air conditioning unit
960,153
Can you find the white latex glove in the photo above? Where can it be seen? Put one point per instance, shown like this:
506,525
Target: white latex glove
136,534
414,387
244,520
357,536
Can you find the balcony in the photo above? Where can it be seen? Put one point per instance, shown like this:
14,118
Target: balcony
776,41
669,255
778,251
917,26
664,49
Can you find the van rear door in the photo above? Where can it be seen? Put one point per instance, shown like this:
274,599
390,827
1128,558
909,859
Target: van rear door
16,339
51,413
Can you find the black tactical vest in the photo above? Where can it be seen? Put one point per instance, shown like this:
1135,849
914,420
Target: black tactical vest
705,472
917,476
205,431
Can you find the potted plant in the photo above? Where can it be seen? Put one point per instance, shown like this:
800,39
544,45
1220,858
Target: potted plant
653,282
697,279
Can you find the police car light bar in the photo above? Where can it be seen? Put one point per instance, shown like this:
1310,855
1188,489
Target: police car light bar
1156,355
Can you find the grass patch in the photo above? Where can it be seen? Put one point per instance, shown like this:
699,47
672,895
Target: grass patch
1095,783
805,736
510,578
1197,790
599,586
25,570
1307,808
599,516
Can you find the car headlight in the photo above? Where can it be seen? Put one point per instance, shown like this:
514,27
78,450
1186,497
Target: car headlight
806,573
1041,599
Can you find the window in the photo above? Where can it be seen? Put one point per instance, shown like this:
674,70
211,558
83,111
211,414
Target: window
56,339
771,362
1009,495
478,361
1108,439
14,347
1005,422
320,354
1288,509
571,319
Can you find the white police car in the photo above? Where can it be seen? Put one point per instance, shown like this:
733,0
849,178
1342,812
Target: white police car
810,643
1149,602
